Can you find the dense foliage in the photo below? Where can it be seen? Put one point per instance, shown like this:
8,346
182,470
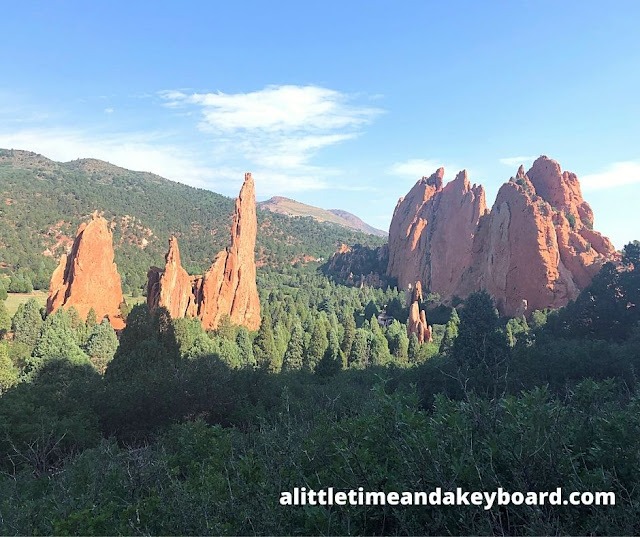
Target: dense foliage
173,430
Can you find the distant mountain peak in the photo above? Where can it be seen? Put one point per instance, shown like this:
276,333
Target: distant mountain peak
340,217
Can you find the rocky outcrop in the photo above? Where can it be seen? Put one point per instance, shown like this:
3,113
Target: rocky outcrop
535,249
172,287
228,287
537,245
87,278
417,322
432,230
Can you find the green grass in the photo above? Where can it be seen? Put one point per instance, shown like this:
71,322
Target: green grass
15,299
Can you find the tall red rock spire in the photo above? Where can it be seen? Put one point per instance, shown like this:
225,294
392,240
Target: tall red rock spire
87,278
227,287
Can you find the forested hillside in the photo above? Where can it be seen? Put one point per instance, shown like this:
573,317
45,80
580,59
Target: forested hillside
43,202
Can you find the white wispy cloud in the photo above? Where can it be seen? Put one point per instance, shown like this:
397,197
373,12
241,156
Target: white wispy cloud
275,109
516,161
617,174
274,133
277,130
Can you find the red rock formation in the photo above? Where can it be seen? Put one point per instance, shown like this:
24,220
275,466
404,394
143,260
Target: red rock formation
229,285
533,246
417,322
535,249
431,233
87,277
171,288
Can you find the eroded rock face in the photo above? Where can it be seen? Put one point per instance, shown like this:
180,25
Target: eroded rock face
87,277
227,287
536,247
431,233
417,322
171,288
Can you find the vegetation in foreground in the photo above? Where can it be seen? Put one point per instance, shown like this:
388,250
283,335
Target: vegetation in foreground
173,430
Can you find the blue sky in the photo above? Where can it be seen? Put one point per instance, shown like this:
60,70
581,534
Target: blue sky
337,104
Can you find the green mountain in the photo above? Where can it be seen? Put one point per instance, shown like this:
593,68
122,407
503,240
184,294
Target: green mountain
44,201
289,207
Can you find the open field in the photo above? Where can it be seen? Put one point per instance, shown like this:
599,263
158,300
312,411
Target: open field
15,299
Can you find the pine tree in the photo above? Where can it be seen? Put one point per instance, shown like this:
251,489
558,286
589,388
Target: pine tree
264,347
414,349
101,346
333,360
243,340
8,371
294,355
226,329
349,333
5,319
450,333
317,346
27,323
359,355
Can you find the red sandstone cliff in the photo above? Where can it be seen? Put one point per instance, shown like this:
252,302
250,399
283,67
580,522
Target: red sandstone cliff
87,277
227,287
537,245
535,249
431,233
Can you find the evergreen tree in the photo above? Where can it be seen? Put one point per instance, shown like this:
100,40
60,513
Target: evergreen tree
294,355
226,329
398,342
5,320
8,371
414,349
92,320
450,333
317,346
333,360
481,349
27,323
264,348
349,333
3,291
102,344
243,340
371,310
359,355
57,342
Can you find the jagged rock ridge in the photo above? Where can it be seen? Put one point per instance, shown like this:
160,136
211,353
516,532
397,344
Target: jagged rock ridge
87,278
228,287
431,233
535,249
